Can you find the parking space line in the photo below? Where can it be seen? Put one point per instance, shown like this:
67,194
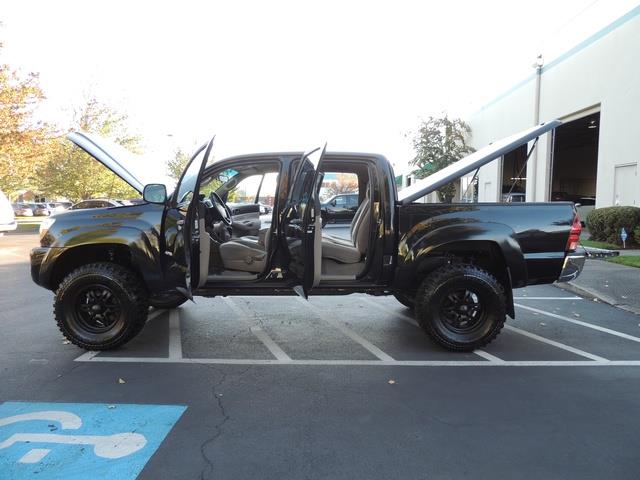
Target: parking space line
175,336
268,342
548,298
349,333
488,356
562,346
86,356
388,363
581,323
412,321
243,314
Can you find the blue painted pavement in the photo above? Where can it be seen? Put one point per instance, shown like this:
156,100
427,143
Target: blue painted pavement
80,440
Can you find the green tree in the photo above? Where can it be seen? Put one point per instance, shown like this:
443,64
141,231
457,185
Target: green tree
23,139
73,173
439,142
177,164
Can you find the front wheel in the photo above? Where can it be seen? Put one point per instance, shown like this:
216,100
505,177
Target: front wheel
100,306
461,307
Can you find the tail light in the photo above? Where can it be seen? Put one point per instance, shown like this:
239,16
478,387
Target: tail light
574,234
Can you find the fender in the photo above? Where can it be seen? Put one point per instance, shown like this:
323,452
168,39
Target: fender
426,242
142,242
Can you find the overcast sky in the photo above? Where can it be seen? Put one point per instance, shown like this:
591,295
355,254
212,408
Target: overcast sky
270,75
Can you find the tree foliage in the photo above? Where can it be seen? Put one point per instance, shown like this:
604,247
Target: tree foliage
73,173
177,164
439,142
345,183
23,143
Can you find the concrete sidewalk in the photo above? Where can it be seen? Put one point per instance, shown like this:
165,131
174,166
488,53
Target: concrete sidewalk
611,283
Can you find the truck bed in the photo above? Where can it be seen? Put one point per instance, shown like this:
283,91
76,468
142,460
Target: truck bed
531,236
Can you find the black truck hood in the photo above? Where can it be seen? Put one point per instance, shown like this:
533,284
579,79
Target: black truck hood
472,162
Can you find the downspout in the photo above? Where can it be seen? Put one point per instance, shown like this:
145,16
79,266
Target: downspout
536,121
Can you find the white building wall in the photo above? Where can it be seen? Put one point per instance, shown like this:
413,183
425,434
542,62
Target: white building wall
602,73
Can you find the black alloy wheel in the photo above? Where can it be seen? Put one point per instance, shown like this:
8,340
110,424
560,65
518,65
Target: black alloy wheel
461,307
101,306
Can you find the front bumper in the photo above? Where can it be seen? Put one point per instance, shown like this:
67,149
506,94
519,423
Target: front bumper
573,265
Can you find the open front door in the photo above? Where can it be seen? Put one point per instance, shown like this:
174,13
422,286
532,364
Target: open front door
301,224
186,202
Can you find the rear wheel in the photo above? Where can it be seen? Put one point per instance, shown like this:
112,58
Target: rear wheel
100,306
461,307
167,300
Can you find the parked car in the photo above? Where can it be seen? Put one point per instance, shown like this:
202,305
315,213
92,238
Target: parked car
7,218
98,203
455,264
22,210
339,208
58,207
40,209
265,209
513,197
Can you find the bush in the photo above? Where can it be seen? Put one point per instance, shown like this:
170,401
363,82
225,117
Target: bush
605,224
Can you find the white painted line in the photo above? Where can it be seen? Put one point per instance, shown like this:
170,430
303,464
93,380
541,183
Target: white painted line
580,322
175,336
488,356
273,347
548,298
349,333
412,321
243,314
86,356
394,363
156,313
34,455
576,351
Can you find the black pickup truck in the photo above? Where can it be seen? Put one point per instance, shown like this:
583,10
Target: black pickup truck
456,265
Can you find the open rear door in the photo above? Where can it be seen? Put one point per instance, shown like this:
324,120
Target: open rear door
301,224
185,201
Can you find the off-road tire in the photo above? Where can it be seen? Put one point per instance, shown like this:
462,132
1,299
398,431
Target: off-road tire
124,286
405,299
433,307
167,300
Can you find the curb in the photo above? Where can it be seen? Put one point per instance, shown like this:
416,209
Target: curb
594,295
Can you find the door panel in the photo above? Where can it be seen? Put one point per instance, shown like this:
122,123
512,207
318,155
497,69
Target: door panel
301,223
185,202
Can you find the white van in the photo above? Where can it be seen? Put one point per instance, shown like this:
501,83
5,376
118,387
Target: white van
7,218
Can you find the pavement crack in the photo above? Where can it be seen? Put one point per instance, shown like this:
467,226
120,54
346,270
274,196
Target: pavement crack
218,427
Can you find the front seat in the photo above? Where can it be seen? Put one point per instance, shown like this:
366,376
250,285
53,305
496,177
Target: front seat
246,254
351,250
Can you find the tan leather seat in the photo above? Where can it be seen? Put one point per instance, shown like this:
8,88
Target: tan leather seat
350,250
246,254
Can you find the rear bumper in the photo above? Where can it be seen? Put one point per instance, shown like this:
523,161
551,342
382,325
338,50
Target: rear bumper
573,265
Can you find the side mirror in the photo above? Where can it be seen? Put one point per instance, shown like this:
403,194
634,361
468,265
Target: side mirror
333,203
155,193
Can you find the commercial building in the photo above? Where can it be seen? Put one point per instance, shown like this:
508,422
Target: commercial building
594,88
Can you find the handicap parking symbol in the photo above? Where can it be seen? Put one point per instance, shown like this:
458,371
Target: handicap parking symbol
81,440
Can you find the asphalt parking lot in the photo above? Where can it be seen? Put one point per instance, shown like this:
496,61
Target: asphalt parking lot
338,387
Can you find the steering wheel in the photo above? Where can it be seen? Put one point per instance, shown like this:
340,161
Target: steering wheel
221,209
